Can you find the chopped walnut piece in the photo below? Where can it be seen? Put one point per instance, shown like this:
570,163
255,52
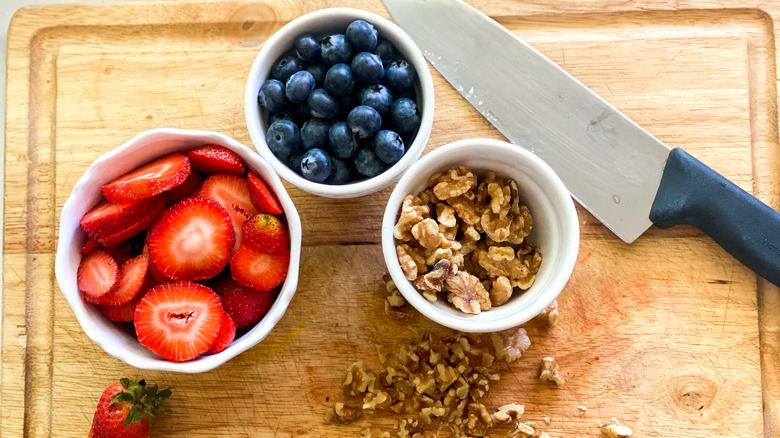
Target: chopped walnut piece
454,182
413,211
446,215
412,263
551,372
499,197
376,400
340,413
427,233
358,378
551,312
479,419
467,293
613,429
509,412
501,291
510,344
529,429
433,281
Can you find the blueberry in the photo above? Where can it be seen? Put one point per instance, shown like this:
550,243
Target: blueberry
294,162
385,51
339,80
271,96
283,138
340,173
377,97
368,164
314,134
308,48
362,35
368,67
299,86
322,104
364,121
285,66
318,71
285,114
336,49
388,146
400,76
405,116
316,165
342,140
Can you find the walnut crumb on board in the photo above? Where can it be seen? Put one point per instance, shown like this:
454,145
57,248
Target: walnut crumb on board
613,429
551,372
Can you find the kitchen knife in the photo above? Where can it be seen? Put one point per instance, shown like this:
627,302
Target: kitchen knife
623,175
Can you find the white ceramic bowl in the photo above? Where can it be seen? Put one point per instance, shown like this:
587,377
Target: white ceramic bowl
86,194
325,21
555,231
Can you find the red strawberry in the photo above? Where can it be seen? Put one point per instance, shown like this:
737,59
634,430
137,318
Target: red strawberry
192,240
178,321
90,246
98,274
267,233
232,193
227,332
127,410
245,305
122,312
213,158
148,180
262,198
188,188
110,224
259,270
133,276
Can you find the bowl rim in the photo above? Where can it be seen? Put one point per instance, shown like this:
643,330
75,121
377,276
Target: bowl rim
412,54
66,280
465,323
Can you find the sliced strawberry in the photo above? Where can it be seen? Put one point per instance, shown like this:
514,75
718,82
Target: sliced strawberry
120,313
148,180
259,270
227,333
192,240
187,189
133,276
213,158
267,233
245,305
90,246
98,274
261,196
110,224
232,193
179,320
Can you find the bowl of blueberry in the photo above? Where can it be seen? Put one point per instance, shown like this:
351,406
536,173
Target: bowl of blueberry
340,102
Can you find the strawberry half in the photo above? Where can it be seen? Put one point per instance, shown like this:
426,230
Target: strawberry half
133,276
244,305
178,321
110,224
232,193
213,158
192,240
148,180
259,270
227,333
98,274
267,233
188,188
262,198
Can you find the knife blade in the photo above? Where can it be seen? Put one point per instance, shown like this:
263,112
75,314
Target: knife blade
624,176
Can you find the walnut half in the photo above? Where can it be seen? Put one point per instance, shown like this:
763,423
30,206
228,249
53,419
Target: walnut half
467,293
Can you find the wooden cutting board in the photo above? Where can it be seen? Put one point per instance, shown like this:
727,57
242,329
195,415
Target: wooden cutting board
666,334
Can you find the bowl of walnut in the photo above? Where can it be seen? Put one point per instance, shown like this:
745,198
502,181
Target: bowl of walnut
480,235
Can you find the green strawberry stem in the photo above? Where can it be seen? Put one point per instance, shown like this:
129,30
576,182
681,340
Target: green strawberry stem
145,401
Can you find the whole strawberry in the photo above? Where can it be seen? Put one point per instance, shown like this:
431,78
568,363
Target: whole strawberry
127,410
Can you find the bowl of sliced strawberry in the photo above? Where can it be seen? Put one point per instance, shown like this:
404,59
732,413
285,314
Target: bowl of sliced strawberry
178,250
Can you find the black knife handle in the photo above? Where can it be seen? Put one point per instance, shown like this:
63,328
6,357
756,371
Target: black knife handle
692,193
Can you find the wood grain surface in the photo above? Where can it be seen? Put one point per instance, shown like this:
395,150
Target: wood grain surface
670,334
